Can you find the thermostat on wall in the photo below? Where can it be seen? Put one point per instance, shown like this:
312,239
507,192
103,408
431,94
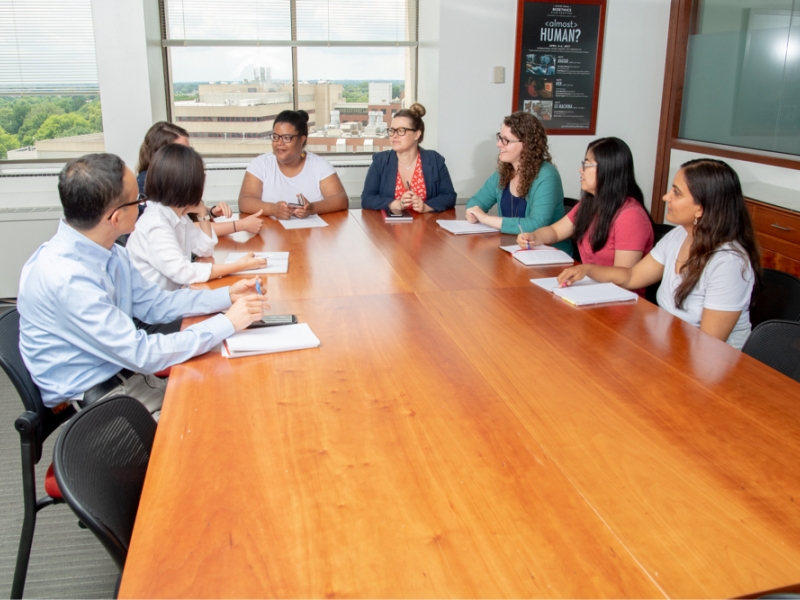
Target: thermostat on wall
498,75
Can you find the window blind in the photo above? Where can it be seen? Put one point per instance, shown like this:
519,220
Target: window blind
47,47
290,22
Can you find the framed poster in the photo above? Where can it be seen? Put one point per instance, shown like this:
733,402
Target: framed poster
557,68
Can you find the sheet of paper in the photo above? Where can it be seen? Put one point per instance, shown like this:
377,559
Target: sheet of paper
268,340
515,247
233,217
277,262
461,227
532,258
551,283
307,223
599,293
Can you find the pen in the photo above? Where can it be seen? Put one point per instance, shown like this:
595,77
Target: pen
527,243
258,286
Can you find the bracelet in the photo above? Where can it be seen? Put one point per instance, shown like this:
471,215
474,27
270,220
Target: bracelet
234,226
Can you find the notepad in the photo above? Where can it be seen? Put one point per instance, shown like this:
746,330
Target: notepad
307,223
540,255
277,262
460,227
599,293
551,283
269,340
233,217
402,217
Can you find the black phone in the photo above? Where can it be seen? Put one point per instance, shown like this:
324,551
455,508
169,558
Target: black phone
273,320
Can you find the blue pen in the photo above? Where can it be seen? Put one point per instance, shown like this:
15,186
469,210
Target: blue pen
527,243
258,286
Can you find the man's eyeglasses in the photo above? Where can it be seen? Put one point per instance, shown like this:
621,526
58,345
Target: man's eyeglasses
139,199
585,164
401,131
286,138
506,141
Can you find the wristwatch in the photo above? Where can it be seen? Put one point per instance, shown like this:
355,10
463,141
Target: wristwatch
206,218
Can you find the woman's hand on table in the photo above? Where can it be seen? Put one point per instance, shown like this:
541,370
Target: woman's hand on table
527,240
250,261
301,212
569,276
251,224
418,204
475,214
282,210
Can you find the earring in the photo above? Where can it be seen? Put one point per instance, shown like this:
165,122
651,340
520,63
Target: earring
303,154
695,221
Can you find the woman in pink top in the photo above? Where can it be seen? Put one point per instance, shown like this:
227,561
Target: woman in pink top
610,223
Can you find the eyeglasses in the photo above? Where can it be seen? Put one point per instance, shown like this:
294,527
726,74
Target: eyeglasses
506,141
401,131
286,138
585,164
139,199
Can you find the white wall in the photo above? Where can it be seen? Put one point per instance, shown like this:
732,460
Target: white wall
474,36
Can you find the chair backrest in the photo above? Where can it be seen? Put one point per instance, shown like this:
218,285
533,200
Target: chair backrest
778,298
777,344
569,203
13,365
100,461
660,230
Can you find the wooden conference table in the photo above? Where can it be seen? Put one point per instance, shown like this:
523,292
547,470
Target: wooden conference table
463,433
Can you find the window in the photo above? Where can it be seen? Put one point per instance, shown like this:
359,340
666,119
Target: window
48,79
234,66
742,82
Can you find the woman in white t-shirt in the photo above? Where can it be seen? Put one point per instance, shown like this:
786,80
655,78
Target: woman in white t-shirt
290,181
709,264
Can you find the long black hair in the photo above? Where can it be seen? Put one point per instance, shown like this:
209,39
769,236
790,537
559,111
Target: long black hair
616,182
715,187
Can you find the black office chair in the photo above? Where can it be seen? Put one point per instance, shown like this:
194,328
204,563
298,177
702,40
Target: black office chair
101,459
34,426
659,231
569,204
778,298
777,344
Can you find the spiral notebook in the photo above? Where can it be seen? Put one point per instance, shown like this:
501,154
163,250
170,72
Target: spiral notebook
268,340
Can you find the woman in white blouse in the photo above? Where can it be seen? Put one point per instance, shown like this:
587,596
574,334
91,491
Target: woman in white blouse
707,265
165,238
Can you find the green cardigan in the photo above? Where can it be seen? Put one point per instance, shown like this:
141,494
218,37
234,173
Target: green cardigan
545,203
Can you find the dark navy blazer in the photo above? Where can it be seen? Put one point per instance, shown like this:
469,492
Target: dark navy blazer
381,180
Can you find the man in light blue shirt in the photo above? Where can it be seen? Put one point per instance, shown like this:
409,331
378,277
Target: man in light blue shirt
79,291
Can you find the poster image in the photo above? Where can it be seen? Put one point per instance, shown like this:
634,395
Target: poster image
557,72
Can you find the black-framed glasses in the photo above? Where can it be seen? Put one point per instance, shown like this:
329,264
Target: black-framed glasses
286,138
585,164
506,141
401,131
139,199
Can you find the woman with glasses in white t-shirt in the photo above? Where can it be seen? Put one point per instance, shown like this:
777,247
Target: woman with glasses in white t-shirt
708,265
290,181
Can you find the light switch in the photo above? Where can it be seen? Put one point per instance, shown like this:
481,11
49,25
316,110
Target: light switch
498,74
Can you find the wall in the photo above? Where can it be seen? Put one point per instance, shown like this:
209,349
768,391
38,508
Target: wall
460,42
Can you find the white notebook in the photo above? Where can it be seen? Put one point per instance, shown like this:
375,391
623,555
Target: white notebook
268,340
461,227
277,262
539,255
233,217
307,223
599,293
551,283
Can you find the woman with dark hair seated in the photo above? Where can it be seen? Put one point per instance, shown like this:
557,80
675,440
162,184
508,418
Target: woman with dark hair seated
165,238
163,133
610,223
526,187
408,176
708,265
290,175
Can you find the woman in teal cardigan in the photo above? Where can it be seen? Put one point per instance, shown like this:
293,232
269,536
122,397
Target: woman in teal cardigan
526,187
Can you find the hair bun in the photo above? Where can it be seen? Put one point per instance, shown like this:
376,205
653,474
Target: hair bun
417,109
303,115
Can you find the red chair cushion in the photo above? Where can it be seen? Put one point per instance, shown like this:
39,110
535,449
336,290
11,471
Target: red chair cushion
50,483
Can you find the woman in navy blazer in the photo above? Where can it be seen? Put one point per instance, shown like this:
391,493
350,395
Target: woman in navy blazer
408,176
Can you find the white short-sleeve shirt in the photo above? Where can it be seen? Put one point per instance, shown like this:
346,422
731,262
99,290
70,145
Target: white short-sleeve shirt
725,284
278,186
162,245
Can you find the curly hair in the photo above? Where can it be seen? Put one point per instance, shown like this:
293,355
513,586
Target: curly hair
530,131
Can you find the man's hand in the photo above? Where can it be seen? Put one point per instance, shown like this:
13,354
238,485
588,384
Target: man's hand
244,311
247,287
